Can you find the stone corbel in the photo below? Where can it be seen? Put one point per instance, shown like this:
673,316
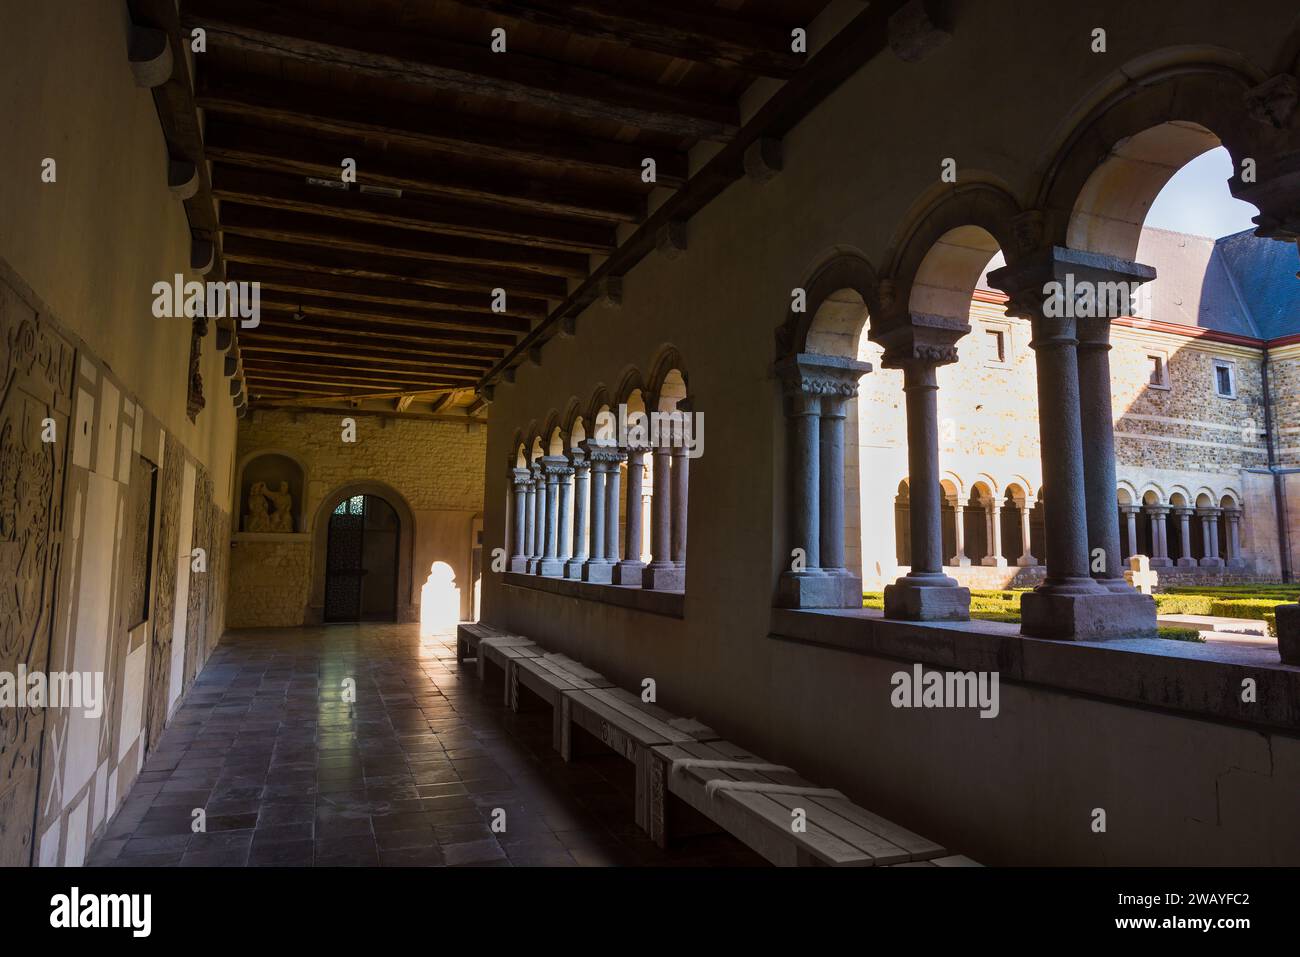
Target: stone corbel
811,374
923,340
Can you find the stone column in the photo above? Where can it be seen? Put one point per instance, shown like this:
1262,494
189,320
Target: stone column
581,500
1097,424
681,495
532,520
959,558
1185,560
925,593
817,385
1130,525
539,518
1049,286
598,568
1159,538
662,573
1210,537
519,556
994,558
1026,558
613,483
556,469
1235,558
628,571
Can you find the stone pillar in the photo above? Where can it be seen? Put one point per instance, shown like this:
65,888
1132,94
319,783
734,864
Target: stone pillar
817,386
598,568
681,495
539,518
613,482
1049,286
1097,424
925,593
995,558
532,520
557,471
1235,558
581,515
1159,537
1026,558
1210,537
959,558
1185,560
1130,526
519,546
662,573
628,571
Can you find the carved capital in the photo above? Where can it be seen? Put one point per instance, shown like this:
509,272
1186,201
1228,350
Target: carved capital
1065,283
1273,102
817,375
922,340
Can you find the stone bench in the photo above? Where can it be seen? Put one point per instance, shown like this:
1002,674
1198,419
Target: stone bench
757,802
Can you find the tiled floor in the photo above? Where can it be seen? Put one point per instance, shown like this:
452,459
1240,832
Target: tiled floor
410,773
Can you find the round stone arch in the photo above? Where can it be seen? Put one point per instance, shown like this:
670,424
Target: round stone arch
571,420
667,360
599,402
840,296
1098,186
408,606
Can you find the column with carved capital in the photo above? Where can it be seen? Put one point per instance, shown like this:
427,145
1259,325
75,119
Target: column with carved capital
994,558
1026,558
539,518
662,573
556,470
918,346
1159,537
613,483
816,389
959,559
598,568
519,556
581,515
1233,517
681,495
1185,559
628,571
1210,537
1057,289
531,519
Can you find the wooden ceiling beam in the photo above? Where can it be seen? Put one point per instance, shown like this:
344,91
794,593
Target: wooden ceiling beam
463,134
305,229
694,32
411,345
281,191
285,370
392,268
299,282
320,156
423,319
432,62
387,359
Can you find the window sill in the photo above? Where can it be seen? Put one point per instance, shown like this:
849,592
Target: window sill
1200,679
671,604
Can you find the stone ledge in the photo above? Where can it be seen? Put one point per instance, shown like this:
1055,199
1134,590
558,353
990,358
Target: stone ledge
669,603
1203,680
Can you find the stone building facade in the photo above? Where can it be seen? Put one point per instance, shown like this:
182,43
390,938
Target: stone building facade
1193,449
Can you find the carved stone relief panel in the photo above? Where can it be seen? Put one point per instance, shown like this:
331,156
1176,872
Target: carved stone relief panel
164,599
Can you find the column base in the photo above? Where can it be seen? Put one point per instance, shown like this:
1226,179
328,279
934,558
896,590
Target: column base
1288,633
958,561
1119,586
551,568
1027,561
666,577
573,568
519,564
531,567
1161,563
1211,562
1095,617
628,573
1237,563
818,589
1185,563
598,572
932,598
990,561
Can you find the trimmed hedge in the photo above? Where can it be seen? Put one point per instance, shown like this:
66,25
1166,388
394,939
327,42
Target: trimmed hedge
1171,633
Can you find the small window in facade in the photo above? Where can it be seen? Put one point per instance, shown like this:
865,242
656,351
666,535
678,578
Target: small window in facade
1158,372
996,340
1225,379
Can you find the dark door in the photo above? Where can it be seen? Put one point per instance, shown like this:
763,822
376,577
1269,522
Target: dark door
361,561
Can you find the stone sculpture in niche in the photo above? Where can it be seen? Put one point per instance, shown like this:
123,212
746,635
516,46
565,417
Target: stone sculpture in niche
282,519
258,518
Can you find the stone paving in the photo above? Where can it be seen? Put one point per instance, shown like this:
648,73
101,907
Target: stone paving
288,772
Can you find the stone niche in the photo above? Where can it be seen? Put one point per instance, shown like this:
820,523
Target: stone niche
271,488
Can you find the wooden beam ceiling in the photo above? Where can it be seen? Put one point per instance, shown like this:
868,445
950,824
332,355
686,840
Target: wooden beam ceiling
475,171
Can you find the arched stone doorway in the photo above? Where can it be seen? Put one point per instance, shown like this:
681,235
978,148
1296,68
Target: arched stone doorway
362,547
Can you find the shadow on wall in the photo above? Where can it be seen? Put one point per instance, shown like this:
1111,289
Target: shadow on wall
439,599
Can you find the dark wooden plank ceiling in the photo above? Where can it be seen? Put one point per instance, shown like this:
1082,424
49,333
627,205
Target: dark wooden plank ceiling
516,170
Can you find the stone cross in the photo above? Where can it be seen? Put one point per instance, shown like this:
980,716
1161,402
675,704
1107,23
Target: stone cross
1140,575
